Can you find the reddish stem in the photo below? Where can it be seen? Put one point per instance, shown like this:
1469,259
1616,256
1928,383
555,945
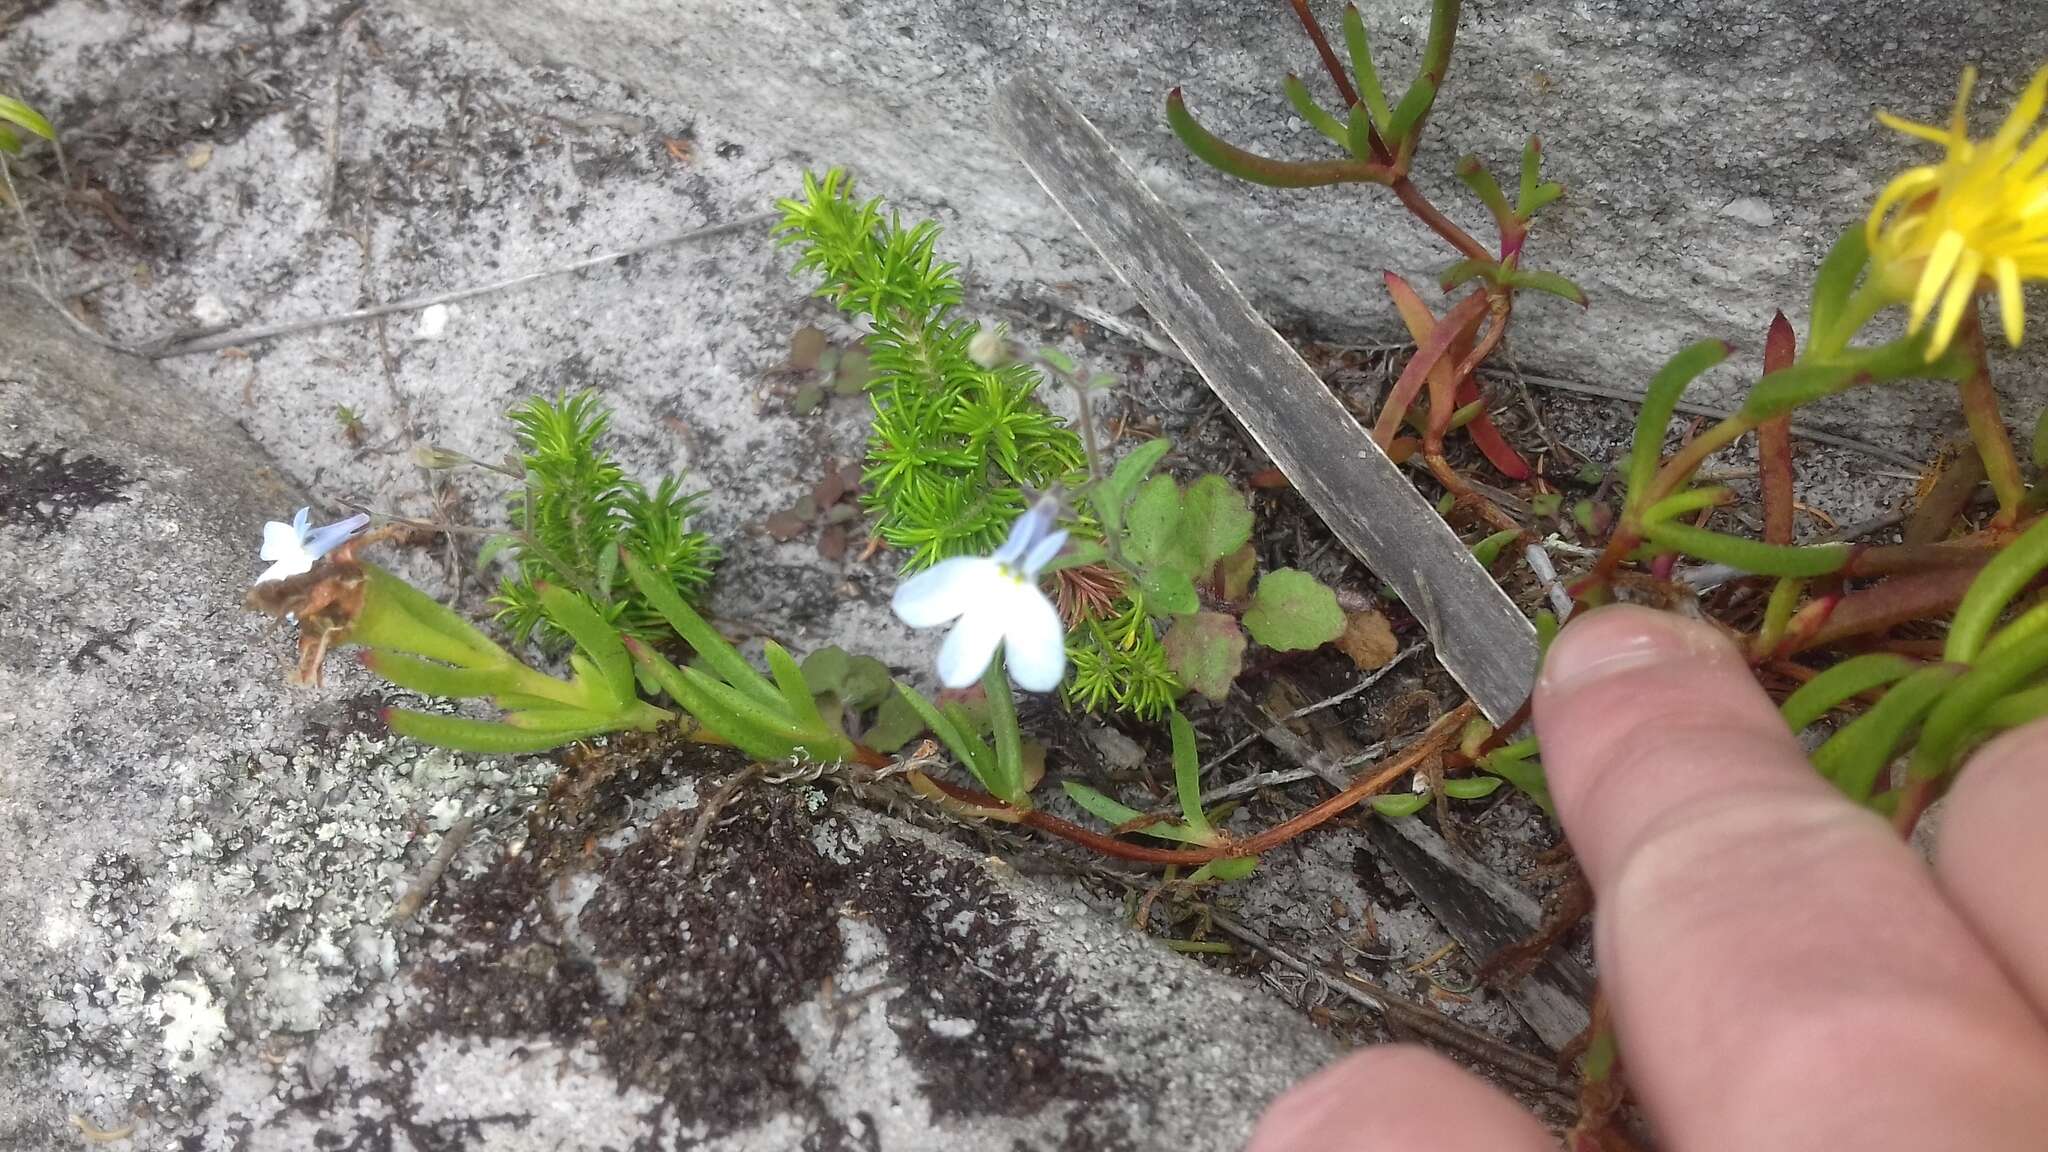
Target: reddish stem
1440,736
1314,28
1987,427
1884,606
1412,198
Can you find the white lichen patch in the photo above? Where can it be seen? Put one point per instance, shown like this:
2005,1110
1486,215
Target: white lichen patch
194,1026
267,905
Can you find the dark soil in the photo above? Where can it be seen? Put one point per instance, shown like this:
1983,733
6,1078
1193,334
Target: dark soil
713,962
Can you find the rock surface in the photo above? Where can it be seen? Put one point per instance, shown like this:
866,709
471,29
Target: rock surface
201,872
1712,149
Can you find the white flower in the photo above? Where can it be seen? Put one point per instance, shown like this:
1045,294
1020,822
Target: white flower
995,600
292,548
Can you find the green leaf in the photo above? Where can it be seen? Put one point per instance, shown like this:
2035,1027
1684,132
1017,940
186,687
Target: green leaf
2011,570
1854,756
825,670
1685,503
1831,285
432,678
1309,110
708,710
1954,722
1206,652
1841,683
1153,527
1516,765
397,615
16,112
1169,592
1292,610
1801,384
796,692
1473,174
896,724
1403,804
573,614
718,655
1116,815
1234,573
1235,161
1414,105
1488,550
966,747
1804,561
1660,401
1472,787
868,682
1368,77
1133,469
1532,175
1187,776
481,737
1216,520
1009,741
1550,282
1467,270
1226,869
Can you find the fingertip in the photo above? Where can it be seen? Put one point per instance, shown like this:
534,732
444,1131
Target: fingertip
1621,639
1397,1097
1989,843
1642,711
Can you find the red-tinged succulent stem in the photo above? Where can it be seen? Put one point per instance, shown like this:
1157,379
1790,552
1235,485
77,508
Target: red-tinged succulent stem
1987,428
1335,68
1455,325
1419,206
1774,441
1883,606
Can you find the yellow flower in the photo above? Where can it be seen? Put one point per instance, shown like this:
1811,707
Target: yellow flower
1982,211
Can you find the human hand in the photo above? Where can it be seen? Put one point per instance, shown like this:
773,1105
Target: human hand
1783,972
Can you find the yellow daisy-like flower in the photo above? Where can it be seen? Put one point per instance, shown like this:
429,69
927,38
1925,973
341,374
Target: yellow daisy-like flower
1982,211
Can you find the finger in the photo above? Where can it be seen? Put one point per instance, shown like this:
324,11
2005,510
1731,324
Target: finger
1782,970
1402,1099
1992,858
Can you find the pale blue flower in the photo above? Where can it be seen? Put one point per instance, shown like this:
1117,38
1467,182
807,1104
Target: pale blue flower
994,600
293,548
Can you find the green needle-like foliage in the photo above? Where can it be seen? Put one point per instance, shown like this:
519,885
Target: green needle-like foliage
576,510
955,443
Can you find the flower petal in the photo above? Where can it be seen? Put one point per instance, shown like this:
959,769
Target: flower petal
328,537
1034,640
281,540
1042,554
945,590
2025,111
287,566
2012,306
1913,128
301,520
1940,262
1962,293
971,644
1027,530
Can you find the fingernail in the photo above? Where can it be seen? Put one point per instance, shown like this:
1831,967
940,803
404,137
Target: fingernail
1613,641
